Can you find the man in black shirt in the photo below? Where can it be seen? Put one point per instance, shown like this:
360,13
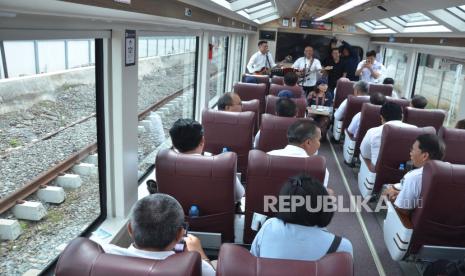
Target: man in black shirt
334,69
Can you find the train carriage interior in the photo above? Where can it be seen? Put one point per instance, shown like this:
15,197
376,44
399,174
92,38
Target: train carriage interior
232,137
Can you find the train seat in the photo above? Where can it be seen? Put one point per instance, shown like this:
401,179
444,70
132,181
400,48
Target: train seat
404,103
343,90
438,224
454,139
276,88
354,105
254,106
266,175
424,117
339,263
192,179
271,105
277,80
252,91
233,130
395,150
385,89
85,257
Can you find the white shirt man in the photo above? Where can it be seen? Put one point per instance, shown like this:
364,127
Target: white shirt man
310,66
261,59
360,90
410,190
355,125
370,70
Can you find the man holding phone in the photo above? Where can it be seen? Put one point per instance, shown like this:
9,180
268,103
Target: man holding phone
370,70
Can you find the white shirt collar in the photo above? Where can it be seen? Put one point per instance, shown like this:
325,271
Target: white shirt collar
296,150
151,254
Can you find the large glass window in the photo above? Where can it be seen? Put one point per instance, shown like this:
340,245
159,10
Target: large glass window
44,120
395,62
238,59
166,85
80,58
219,47
441,81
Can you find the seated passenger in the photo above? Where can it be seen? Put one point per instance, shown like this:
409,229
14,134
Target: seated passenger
156,225
303,137
460,124
290,79
285,94
391,114
299,234
406,194
390,81
230,101
187,137
360,90
285,107
418,101
376,98
321,96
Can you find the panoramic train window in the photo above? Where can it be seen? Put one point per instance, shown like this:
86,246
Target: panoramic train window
48,128
441,81
219,48
396,67
166,90
238,59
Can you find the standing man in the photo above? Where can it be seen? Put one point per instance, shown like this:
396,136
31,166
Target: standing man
308,67
335,69
262,61
370,70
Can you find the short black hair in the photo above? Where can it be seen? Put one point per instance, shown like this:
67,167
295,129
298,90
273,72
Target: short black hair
262,42
433,145
285,107
391,111
224,101
301,130
290,79
419,101
186,134
460,124
388,81
371,53
310,189
377,98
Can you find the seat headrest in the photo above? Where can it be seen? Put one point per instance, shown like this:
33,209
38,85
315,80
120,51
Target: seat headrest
385,89
424,117
454,139
226,117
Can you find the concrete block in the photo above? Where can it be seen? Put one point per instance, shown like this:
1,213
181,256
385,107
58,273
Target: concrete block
32,272
29,210
9,229
69,181
147,124
86,169
52,194
140,129
92,159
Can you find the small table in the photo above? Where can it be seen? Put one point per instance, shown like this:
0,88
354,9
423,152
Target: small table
320,110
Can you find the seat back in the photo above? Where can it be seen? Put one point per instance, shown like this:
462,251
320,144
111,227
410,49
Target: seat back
273,132
193,179
369,118
339,263
385,89
395,149
402,102
343,89
271,105
83,257
260,78
233,130
277,80
441,219
354,106
276,88
266,175
424,117
454,140
254,106
252,91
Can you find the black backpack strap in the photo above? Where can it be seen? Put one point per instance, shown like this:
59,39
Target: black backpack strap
334,245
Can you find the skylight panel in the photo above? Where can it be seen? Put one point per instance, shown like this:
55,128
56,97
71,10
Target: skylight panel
415,17
259,7
426,29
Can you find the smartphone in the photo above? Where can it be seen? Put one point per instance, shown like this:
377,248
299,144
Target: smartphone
181,246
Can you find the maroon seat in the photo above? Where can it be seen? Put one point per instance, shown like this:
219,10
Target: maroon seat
402,102
252,91
369,118
339,263
260,78
273,132
385,89
277,80
276,88
424,117
233,130
193,179
343,89
454,140
83,257
271,105
254,106
395,149
441,220
266,175
354,106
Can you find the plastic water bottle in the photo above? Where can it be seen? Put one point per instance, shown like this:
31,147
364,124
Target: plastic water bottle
225,149
194,211
402,166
